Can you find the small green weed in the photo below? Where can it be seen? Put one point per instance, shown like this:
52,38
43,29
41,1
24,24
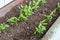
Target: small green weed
3,26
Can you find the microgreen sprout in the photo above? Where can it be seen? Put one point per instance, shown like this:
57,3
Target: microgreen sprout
35,3
26,11
43,1
49,17
21,17
41,27
12,20
3,26
58,6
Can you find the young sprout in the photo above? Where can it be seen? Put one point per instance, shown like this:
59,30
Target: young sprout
35,3
21,17
58,6
25,11
43,1
40,28
3,26
49,17
12,20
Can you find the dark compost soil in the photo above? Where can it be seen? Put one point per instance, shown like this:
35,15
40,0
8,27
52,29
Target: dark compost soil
24,29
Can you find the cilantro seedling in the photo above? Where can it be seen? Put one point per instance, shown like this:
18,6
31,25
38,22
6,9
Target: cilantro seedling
26,11
12,20
58,5
3,26
49,17
40,28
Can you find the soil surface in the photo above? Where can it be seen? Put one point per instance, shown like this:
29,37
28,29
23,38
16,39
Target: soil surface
24,30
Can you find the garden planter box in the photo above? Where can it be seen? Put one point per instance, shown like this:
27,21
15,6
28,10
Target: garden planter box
24,30
53,32
6,6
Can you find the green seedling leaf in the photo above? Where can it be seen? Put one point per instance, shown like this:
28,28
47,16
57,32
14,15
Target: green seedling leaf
35,32
30,3
22,17
26,11
35,4
43,1
40,28
21,6
58,5
12,20
49,17
3,26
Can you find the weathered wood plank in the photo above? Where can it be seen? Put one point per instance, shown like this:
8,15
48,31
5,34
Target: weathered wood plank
54,32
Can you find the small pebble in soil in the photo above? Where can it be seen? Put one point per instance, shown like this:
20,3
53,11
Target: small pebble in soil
5,33
0,31
27,27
